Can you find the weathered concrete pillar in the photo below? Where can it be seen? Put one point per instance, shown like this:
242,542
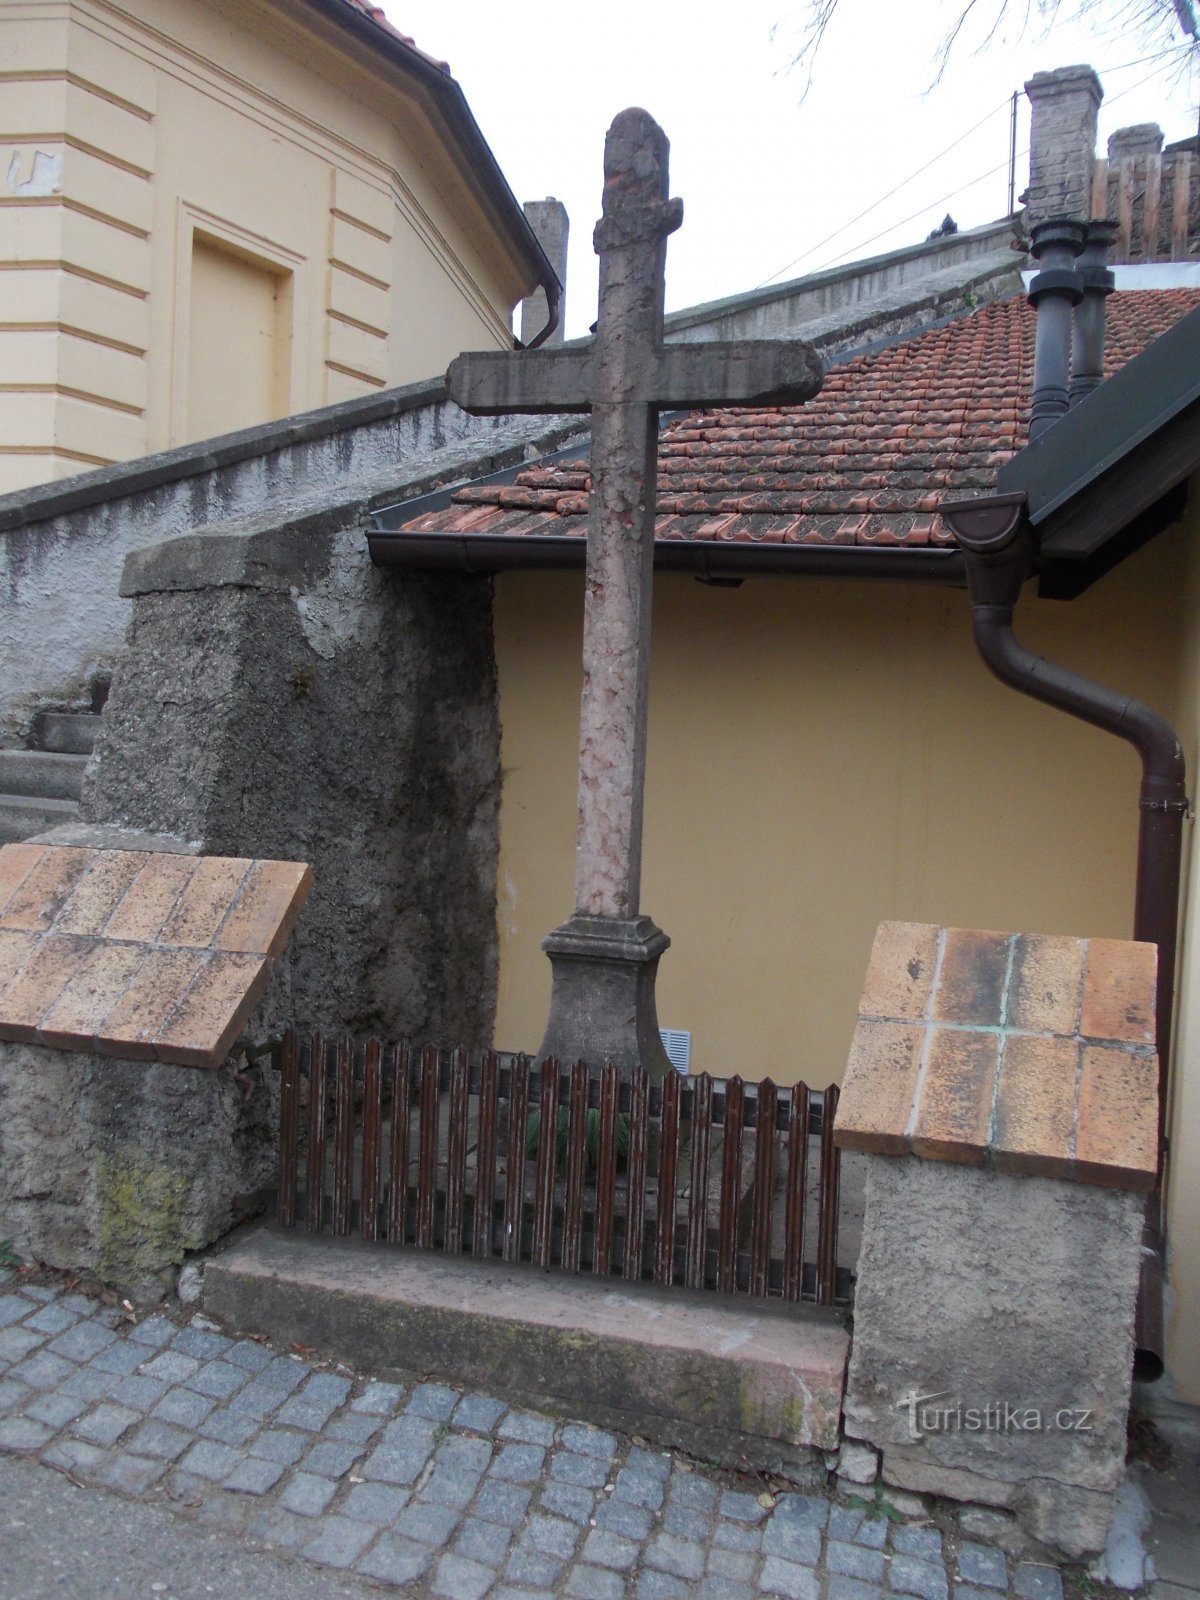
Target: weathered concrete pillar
1003,1088
551,225
1140,139
1062,142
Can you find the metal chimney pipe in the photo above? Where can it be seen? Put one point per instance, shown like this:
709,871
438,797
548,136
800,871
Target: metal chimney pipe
1087,339
1054,293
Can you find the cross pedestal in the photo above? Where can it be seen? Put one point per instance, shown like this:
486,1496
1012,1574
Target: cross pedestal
605,956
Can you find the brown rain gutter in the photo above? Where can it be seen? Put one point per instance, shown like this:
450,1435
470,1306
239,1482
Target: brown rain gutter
997,544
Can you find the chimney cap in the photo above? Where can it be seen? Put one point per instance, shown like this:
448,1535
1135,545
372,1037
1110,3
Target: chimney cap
1065,80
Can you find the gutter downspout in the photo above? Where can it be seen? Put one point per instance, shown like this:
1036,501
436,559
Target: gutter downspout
997,544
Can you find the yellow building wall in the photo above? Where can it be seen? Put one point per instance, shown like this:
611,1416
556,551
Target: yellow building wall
822,756
128,132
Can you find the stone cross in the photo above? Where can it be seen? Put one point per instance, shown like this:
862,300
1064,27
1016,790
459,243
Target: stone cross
606,955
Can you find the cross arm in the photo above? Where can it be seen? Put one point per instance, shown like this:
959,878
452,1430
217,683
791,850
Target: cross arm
489,383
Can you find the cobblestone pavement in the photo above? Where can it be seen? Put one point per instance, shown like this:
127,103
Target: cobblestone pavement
421,1486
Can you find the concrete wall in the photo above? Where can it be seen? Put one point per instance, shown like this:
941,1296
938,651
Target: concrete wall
823,757
142,136
62,546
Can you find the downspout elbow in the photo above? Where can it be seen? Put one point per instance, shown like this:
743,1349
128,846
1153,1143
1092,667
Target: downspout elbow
553,290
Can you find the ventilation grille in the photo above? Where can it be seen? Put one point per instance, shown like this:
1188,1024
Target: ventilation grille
677,1042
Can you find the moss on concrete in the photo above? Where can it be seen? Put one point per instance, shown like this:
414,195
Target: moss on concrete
141,1214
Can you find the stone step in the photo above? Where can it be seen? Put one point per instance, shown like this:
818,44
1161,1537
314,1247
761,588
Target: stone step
67,732
754,1383
46,774
22,815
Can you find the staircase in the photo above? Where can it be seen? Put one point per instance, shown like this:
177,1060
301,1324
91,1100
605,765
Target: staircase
39,787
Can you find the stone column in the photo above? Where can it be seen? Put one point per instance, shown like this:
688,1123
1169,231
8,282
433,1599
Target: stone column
551,226
1003,1088
1140,139
1062,142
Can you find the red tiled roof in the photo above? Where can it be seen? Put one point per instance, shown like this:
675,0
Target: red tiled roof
866,462
376,15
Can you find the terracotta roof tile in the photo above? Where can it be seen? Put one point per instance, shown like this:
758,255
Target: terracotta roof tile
867,461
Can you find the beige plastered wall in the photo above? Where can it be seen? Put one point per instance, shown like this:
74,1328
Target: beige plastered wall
1183,1211
826,755
130,130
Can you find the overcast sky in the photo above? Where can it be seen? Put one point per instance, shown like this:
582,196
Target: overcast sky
772,183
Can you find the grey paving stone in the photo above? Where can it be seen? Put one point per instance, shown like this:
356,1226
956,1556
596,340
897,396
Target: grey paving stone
154,1332
201,1343
228,1427
253,1475
503,1503
786,1578
89,1384
21,1434
426,1523
387,1465
162,1440
172,1366
275,1445
725,1589
83,1305
603,1548
329,1460
482,1541
432,1400
339,1543
12,1309
923,1542
41,1370
655,1462
353,1429
251,1356
669,1553
660,1586
527,1427
15,1343
741,1508
210,1460
228,1512
730,1564
379,1503
284,1529
550,1536
532,1568
283,1374
121,1359
686,1523
1034,1582
854,1561
689,1489
842,1588
569,1500
912,1575
793,1540
618,1516
981,1565
52,1319
181,1406
40,1292
478,1413
451,1486
464,1455
968,1591
587,1441
327,1388
461,1579
379,1399
858,1525
395,1559
217,1379
568,1467
406,1432
594,1583
55,1409
139,1392
130,1474
639,1488
736,1536
801,1511
307,1495
296,1414
83,1341
12,1394
518,1463
106,1423
73,1455
256,1400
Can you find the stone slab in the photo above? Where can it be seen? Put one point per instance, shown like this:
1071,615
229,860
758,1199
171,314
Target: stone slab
758,1382
150,956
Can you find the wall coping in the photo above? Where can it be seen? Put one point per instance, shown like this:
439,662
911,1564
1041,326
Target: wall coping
1027,1053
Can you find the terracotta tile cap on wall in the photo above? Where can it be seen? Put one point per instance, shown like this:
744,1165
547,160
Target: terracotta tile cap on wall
151,957
1027,1053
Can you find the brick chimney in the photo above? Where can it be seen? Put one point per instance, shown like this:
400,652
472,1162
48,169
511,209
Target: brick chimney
548,219
1062,142
1142,139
